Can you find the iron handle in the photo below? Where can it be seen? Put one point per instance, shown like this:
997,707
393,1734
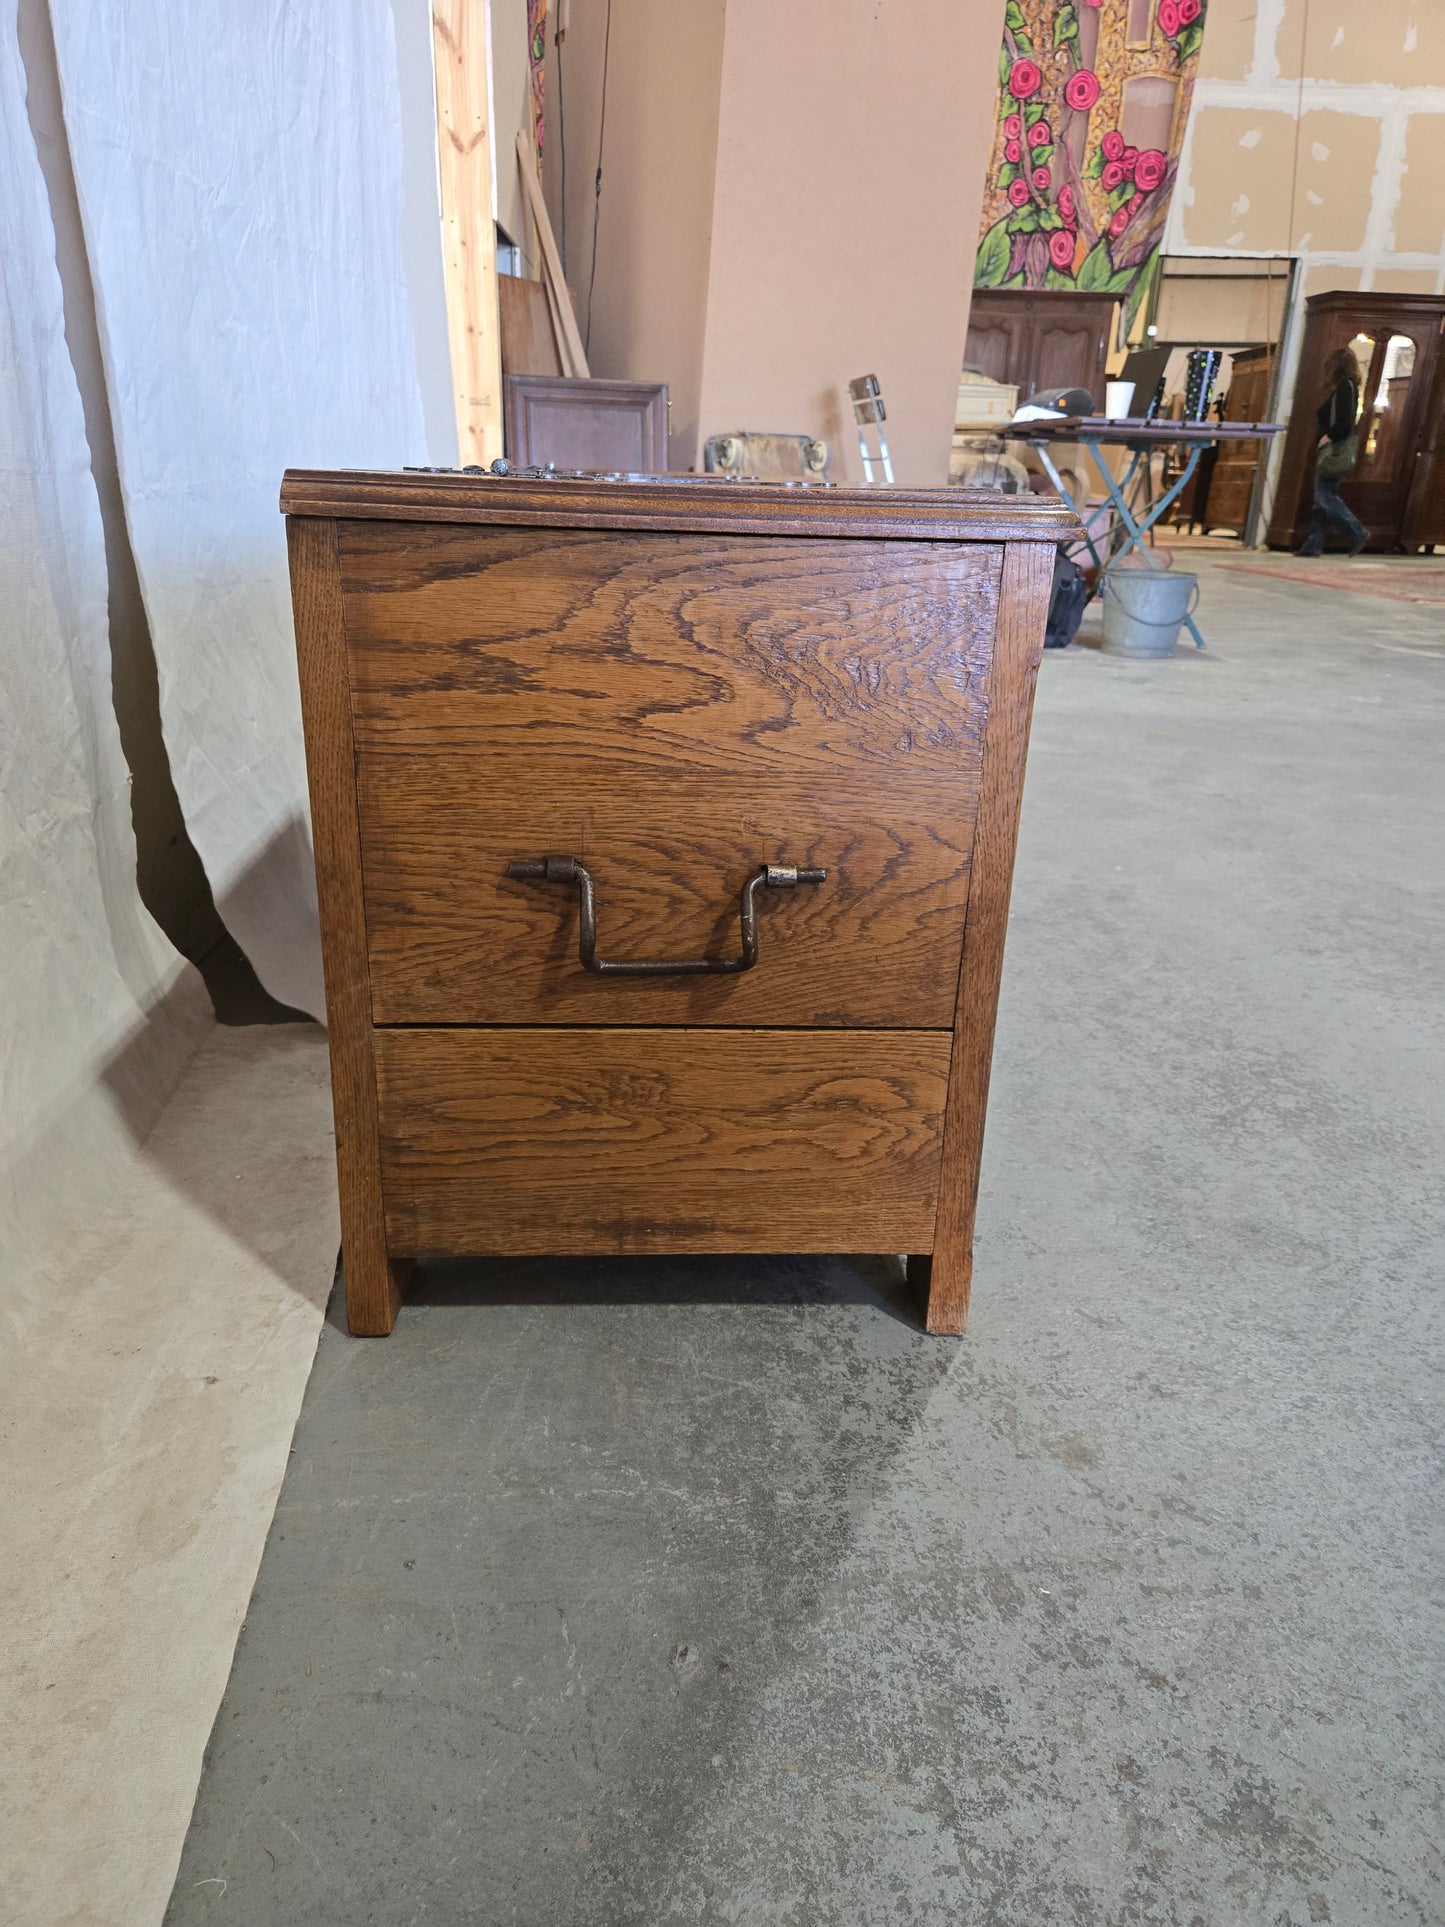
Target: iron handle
573,871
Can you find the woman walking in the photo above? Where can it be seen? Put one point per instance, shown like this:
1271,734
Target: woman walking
1339,450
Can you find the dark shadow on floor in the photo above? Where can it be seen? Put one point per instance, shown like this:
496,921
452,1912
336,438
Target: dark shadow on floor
802,1280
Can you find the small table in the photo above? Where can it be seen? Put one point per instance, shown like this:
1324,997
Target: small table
1093,432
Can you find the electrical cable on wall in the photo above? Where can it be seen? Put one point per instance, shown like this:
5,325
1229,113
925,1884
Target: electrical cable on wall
597,184
558,37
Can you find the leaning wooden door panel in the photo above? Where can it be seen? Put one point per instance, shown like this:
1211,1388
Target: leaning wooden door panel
660,1140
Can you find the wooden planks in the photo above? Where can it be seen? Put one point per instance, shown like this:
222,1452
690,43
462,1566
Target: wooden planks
685,659
564,316
373,1280
453,940
1027,581
461,49
659,1140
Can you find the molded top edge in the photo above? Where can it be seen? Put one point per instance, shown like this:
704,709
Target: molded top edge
711,504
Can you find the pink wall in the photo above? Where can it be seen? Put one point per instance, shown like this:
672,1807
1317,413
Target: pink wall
654,224
791,195
853,137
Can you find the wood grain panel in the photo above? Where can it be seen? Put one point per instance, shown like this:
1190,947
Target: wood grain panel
673,655
454,940
373,1281
660,1140
1028,579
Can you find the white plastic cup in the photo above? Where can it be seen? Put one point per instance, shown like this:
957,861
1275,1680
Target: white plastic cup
1118,395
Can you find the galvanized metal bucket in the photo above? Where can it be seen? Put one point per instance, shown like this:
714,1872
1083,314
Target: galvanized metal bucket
1144,610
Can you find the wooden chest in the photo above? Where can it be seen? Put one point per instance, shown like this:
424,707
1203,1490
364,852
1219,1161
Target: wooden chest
664,831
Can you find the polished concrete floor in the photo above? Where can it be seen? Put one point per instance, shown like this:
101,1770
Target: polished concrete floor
715,1591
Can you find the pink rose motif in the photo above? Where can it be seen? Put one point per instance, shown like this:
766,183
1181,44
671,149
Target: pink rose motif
1041,178
1012,126
1018,193
1039,135
1025,79
1066,204
1013,152
1081,90
1120,221
1093,3
1169,21
1061,249
1189,11
1113,176
1149,169
1128,159
1112,144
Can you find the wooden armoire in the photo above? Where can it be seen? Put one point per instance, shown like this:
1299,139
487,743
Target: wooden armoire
1398,485
1231,484
1038,340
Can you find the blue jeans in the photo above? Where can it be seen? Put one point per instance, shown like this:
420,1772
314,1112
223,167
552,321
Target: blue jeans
1331,512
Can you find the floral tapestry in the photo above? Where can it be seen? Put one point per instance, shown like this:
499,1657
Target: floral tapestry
1093,97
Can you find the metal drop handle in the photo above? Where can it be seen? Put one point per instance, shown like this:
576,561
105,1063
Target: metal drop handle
572,870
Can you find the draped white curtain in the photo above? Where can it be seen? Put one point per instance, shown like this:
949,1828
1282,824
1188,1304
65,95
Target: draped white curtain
241,184
87,1053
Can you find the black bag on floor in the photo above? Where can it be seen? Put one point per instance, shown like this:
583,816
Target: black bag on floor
1066,603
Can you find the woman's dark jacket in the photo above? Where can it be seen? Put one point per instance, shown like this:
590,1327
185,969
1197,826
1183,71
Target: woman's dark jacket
1336,413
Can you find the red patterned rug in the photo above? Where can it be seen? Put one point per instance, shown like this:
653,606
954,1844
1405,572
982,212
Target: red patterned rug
1395,581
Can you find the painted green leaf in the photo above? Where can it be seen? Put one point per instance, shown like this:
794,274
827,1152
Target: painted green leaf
1013,18
990,264
1094,167
1005,66
1066,26
1097,273
1050,219
1057,278
1024,220
1143,276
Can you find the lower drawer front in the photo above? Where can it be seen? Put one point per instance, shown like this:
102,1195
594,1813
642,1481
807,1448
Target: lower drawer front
585,1140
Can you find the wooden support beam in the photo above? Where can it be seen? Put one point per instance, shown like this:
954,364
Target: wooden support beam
462,53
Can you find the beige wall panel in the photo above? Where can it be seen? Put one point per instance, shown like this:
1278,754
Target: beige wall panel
1228,49
512,106
1399,42
1222,309
1337,154
654,231
1420,212
1324,278
853,141
1405,281
1240,165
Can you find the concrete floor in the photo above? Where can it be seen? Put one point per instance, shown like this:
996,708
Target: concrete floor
151,1381
714,1591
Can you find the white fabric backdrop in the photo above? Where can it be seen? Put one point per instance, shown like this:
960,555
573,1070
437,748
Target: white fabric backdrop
86,1055
240,179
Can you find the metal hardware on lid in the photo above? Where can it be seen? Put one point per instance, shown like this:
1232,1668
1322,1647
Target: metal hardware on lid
572,870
